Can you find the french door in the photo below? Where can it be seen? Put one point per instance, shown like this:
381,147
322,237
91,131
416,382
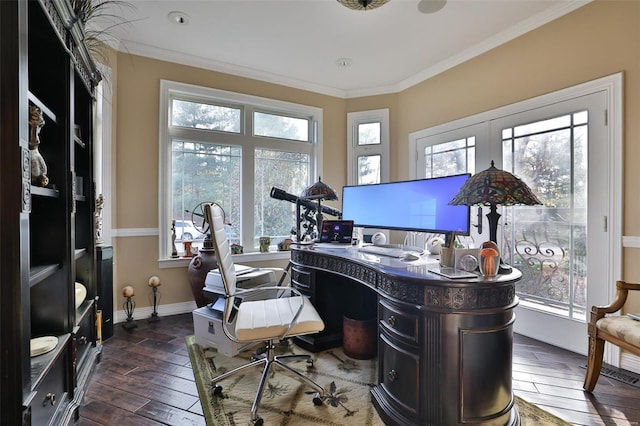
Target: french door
558,151
561,148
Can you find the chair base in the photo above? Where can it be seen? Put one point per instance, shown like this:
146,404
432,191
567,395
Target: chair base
269,359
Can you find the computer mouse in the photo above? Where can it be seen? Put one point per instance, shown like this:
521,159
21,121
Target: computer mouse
408,257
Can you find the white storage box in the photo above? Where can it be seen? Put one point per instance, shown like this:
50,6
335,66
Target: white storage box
246,277
207,326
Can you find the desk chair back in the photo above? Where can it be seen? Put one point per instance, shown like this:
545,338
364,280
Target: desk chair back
215,218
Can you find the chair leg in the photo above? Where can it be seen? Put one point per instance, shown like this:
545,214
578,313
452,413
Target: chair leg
283,358
230,373
258,397
268,359
594,363
302,377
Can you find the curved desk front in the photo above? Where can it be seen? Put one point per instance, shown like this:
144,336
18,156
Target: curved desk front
444,346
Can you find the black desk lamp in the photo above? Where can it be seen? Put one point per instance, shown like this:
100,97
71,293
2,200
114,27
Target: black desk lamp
490,188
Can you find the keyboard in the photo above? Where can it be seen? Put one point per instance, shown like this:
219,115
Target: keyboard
391,251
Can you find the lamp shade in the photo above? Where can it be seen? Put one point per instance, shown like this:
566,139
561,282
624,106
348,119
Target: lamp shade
319,190
494,186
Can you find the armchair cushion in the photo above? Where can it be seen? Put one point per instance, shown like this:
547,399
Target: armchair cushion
622,327
269,318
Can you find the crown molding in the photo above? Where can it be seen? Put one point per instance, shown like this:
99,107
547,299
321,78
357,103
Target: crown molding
509,34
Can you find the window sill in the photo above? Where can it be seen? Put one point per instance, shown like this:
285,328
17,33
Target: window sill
182,262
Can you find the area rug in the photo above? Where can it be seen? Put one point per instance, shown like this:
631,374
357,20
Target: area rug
288,402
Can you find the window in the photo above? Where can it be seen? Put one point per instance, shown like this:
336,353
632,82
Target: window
231,149
565,145
368,152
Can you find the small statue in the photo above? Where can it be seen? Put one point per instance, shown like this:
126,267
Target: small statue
174,249
128,306
98,217
38,166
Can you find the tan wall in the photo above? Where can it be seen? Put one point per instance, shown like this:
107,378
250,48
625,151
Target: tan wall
596,40
135,174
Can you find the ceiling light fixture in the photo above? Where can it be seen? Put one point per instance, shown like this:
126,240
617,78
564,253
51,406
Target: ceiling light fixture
179,18
362,4
343,62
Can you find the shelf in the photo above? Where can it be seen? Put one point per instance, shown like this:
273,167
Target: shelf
41,364
39,273
79,252
80,198
45,192
78,141
37,102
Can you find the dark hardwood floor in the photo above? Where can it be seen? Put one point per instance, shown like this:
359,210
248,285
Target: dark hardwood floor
144,378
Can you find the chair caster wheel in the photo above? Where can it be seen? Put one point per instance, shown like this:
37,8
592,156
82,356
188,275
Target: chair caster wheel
257,422
309,363
217,390
317,399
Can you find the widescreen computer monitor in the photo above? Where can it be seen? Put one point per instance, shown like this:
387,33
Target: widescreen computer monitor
416,205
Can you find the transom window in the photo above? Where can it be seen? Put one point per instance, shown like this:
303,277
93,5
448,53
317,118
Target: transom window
231,148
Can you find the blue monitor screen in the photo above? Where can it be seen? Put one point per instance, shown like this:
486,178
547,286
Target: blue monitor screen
416,205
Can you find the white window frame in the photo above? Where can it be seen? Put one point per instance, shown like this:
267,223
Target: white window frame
249,104
354,150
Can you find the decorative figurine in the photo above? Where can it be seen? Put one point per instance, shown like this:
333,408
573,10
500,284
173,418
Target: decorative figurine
174,250
98,218
187,248
129,306
38,166
154,283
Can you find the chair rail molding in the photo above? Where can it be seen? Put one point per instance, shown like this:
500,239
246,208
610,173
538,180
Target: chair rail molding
629,241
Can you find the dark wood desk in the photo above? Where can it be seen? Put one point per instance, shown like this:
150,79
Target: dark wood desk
444,346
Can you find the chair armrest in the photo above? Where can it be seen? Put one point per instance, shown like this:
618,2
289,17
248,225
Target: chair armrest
247,291
284,273
598,312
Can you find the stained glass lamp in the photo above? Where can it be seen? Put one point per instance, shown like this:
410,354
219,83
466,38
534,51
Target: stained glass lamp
318,191
492,187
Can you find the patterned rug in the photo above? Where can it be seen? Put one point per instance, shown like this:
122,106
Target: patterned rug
288,402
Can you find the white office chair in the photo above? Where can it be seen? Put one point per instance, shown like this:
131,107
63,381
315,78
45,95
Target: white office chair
287,315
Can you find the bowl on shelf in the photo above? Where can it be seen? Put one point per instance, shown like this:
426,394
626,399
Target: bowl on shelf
81,294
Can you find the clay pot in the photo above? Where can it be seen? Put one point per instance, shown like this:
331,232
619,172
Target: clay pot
199,266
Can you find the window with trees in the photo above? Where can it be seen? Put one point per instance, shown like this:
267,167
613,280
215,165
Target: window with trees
231,148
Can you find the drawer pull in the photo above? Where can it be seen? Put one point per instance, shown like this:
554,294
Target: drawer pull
391,321
393,375
50,398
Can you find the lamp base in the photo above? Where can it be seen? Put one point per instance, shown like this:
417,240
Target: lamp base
504,268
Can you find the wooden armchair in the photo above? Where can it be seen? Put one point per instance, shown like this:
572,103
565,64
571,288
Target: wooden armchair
618,330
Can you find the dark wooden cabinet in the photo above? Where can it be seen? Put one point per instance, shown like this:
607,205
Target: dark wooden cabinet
47,225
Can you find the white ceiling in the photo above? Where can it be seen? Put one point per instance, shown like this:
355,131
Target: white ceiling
297,42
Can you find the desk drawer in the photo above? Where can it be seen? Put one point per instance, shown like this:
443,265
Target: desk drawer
398,323
303,279
399,374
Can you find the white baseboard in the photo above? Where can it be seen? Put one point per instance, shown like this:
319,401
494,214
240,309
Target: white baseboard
163,310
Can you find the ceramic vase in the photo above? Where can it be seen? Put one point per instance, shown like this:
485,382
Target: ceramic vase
199,266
